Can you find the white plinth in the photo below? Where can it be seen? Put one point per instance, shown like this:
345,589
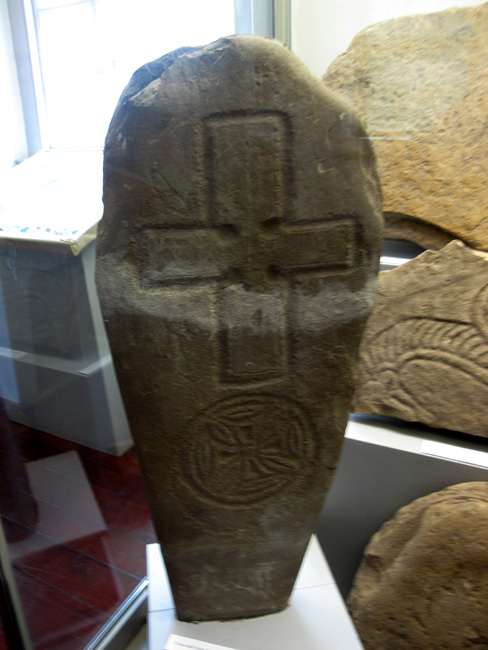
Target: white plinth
316,618
56,371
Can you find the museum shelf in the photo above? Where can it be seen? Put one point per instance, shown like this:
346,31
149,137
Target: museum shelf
56,372
316,617
384,465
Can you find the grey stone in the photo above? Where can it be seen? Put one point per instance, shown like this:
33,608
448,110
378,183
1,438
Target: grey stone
420,84
236,266
424,354
423,581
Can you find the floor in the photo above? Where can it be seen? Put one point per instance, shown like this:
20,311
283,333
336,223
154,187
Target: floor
77,524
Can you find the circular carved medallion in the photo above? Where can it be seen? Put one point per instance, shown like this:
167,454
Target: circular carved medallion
248,448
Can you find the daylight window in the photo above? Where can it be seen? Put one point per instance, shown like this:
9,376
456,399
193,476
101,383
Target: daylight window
89,49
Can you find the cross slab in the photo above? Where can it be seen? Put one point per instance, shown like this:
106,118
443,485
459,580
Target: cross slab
249,243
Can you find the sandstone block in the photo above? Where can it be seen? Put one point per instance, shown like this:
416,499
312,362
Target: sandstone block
420,84
424,354
423,581
236,266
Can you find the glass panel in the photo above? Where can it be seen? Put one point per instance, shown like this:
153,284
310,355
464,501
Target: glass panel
71,495
77,525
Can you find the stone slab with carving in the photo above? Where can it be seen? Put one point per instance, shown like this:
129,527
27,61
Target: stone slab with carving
420,84
424,355
423,580
236,266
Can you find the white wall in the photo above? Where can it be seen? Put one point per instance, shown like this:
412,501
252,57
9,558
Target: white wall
323,29
12,136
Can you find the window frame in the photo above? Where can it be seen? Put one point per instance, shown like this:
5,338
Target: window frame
269,18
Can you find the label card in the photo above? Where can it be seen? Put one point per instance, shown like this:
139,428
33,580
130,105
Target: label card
176,642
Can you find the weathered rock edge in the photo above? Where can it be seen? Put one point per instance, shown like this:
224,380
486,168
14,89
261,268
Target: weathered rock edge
420,84
423,581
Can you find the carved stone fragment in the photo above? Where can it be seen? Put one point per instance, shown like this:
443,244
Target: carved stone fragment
423,581
420,84
424,355
236,266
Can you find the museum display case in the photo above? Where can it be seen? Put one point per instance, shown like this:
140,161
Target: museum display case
75,522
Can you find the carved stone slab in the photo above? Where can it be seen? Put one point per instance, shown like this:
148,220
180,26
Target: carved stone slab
236,266
423,581
420,84
424,355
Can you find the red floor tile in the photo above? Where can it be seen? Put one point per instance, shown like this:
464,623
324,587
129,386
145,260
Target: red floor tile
84,578
77,524
56,620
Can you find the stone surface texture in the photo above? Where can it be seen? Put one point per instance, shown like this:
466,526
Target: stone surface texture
423,581
420,84
424,354
236,266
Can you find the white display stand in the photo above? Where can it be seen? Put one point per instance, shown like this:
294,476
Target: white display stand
56,371
386,464
316,618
